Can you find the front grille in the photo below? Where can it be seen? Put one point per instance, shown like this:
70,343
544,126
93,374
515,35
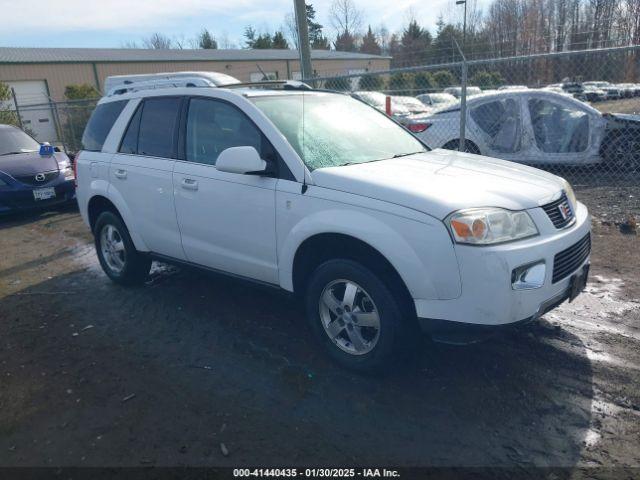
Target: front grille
560,212
31,179
568,260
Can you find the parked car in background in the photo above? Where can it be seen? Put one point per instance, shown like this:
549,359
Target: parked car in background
594,94
378,101
321,195
575,89
536,127
457,91
613,92
512,87
436,100
628,90
31,177
411,104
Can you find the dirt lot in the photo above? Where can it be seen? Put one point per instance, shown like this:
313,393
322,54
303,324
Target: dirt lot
96,374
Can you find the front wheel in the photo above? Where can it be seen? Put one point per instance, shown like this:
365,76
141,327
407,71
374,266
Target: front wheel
354,314
117,255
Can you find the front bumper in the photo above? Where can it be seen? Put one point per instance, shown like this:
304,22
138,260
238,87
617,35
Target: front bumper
487,297
17,197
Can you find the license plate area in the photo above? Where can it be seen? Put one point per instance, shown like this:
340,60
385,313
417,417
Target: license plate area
578,282
44,193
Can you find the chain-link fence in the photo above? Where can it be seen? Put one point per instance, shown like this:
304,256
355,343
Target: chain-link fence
59,123
571,113
553,111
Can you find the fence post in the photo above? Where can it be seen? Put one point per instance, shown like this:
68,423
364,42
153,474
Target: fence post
56,124
463,108
15,102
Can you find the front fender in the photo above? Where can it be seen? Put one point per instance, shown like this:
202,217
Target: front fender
421,253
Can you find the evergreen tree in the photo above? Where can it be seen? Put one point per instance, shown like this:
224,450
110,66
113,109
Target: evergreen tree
370,43
345,42
206,40
279,41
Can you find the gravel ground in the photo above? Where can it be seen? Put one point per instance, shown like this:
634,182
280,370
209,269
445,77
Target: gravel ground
94,374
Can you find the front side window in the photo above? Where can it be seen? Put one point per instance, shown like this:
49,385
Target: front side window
156,136
559,128
329,130
100,123
500,121
213,126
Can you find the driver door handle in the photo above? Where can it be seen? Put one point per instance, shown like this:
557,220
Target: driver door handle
120,173
189,184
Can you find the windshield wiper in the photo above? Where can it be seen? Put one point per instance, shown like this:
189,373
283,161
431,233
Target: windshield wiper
398,155
16,153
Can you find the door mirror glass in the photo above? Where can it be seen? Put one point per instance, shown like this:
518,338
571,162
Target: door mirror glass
242,160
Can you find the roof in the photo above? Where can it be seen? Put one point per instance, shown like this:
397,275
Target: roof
99,55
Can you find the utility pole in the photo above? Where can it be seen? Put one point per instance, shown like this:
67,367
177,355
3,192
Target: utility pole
464,22
303,39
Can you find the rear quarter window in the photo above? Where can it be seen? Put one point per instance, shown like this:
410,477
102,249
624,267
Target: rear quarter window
100,123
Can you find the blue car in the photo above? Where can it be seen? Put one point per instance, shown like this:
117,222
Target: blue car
32,176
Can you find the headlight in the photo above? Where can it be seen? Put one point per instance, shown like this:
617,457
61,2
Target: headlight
484,226
570,195
68,173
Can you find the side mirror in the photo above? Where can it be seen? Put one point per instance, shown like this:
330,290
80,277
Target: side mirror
242,160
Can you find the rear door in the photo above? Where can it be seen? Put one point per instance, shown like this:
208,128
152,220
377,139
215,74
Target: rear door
141,173
497,124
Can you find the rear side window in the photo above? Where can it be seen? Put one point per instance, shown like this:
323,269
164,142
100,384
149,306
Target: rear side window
157,131
130,140
99,125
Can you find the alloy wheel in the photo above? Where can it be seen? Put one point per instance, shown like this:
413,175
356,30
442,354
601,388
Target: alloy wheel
350,317
112,248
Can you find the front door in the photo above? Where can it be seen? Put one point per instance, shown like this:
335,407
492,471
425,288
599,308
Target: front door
561,130
227,220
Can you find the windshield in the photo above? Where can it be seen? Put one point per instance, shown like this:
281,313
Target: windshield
330,130
13,141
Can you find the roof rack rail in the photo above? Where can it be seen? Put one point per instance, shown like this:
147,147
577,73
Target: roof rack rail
120,84
284,84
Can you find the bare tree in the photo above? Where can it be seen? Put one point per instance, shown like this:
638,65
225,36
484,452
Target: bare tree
345,17
157,41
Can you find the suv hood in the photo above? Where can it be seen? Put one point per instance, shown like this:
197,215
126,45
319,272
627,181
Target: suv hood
442,181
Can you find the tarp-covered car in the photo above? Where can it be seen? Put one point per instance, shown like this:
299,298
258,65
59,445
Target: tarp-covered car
536,127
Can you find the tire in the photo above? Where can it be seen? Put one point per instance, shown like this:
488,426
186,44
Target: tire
622,154
335,322
470,147
117,255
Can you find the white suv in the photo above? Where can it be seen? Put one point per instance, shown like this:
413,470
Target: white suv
321,195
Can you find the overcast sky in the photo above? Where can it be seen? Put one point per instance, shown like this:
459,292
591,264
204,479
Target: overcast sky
112,23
